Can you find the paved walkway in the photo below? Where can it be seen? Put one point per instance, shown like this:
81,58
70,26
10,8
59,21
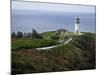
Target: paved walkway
44,48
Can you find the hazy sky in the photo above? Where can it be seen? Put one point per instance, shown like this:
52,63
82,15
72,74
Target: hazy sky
18,5
49,16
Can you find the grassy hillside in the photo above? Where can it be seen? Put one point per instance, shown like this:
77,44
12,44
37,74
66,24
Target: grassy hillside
47,35
79,54
31,43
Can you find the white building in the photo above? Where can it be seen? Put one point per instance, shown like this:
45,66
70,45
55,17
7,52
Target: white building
77,25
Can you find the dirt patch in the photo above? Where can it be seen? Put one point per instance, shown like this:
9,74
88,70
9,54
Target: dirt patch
29,53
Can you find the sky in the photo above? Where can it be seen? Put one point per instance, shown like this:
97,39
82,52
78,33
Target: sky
49,16
19,5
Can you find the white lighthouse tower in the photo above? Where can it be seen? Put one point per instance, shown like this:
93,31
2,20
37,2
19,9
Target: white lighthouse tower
77,25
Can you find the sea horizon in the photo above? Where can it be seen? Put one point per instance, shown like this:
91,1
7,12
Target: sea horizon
42,22
50,17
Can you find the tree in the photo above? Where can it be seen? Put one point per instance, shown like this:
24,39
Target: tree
36,35
39,36
19,34
13,35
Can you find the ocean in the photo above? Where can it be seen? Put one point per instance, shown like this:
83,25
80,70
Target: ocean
42,21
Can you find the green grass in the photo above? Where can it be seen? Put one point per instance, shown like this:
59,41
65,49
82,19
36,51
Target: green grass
31,43
47,35
78,54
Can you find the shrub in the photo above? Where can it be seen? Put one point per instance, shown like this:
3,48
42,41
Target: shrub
55,37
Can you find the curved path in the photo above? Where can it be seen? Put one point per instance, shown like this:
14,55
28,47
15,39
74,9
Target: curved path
44,48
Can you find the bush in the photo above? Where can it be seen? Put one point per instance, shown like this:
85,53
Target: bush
87,43
19,34
55,37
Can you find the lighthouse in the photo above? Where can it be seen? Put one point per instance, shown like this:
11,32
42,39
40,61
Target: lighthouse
77,25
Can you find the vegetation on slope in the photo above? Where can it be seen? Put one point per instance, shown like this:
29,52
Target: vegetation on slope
31,43
47,35
79,54
87,43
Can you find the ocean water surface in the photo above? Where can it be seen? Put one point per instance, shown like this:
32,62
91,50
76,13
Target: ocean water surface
42,21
